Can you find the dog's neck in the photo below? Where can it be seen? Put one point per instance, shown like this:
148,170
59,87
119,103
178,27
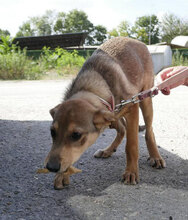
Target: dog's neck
95,100
91,82
93,89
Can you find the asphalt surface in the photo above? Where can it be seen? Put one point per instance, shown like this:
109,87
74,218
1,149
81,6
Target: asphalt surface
97,192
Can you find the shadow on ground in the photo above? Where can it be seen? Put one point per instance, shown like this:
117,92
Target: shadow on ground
27,195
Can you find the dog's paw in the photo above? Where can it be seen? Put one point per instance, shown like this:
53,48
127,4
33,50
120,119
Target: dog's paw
102,153
158,163
130,178
60,181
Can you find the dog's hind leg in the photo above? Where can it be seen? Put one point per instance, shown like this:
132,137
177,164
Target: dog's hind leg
155,158
120,128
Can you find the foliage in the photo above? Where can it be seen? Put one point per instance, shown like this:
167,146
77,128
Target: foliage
4,32
61,60
59,26
25,30
5,45
58,23
123,29
113,33
77,21
146,29
98,35
43,25
179,60
173,26
38,26
14,64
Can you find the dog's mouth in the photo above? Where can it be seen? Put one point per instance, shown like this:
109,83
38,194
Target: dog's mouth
65,171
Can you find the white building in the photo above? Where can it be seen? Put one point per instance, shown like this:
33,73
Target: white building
181,41
161,56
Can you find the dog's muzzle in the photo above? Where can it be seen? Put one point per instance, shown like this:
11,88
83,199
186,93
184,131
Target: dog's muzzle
53,165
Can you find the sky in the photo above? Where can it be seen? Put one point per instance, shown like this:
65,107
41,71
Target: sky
104,12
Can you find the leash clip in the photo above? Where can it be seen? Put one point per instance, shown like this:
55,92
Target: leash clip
137,98
118,107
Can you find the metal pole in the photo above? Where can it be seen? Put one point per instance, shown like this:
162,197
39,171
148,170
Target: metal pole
150,30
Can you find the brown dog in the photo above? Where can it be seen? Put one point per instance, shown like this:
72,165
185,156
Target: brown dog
119,69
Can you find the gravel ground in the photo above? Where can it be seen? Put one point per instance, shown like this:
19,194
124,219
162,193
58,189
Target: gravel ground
97,192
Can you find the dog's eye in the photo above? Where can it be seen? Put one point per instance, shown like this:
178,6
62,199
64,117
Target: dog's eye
75,136
53,132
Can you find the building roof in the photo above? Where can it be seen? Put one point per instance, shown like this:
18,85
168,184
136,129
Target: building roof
157,48
181,41
52,41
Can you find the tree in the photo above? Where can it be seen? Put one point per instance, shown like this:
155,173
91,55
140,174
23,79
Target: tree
26,30
113,33
173,26
59,23
123,29
4,32
44,25
41,26
98,35
73,22
59,26
77,21
146,29
37,26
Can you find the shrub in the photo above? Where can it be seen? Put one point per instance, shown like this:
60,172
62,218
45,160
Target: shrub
61,60
14,64
179,60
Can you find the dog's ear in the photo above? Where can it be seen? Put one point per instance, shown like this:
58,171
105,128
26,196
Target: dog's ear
54,110
103,118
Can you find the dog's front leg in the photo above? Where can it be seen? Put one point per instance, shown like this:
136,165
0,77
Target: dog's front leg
61,180
119,125
131,175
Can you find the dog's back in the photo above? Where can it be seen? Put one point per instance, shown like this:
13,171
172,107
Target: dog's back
133,57
124,64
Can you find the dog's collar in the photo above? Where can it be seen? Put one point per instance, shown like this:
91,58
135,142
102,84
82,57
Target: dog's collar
110,105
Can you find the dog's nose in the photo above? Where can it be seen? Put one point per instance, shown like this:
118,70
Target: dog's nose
53,166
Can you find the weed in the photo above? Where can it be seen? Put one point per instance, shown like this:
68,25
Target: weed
14,64
179,60
61,60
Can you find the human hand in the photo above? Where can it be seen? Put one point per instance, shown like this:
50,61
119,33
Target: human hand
169,72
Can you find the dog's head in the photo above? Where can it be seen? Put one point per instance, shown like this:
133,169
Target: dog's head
76,126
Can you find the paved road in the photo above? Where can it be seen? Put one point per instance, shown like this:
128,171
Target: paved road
97,192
